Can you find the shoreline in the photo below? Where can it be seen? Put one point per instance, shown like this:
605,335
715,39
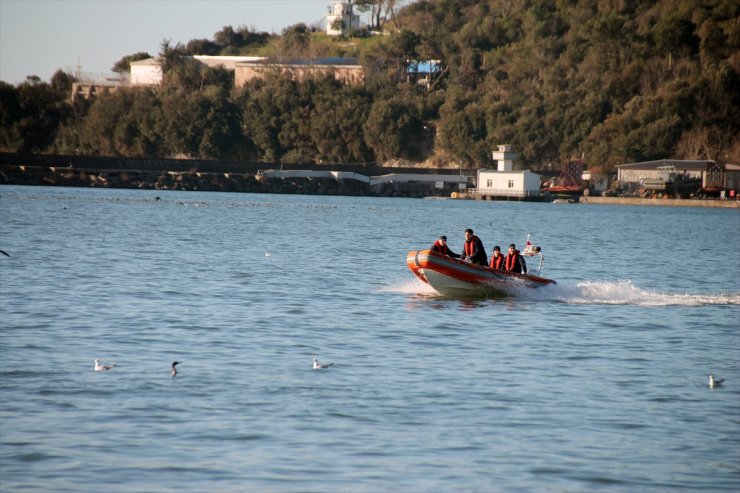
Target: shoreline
150,175
242,184
715,203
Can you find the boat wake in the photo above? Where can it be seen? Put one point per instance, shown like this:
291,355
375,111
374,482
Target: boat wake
622,292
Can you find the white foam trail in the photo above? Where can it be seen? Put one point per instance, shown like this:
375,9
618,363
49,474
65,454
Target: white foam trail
621,292
413,286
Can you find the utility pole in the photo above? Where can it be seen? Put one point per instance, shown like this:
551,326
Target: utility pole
349,31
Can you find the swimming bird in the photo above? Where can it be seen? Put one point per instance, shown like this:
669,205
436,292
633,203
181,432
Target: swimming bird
714,382
320,366
101,367
174,370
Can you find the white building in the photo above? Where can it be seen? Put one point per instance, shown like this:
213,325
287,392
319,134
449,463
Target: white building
147,72
341,20
504,181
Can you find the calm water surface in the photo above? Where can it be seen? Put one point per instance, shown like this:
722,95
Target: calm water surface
596,384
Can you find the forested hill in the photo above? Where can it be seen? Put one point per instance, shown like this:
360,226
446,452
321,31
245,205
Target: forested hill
609,82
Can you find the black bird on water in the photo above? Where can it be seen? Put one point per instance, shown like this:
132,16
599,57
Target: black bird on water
174,370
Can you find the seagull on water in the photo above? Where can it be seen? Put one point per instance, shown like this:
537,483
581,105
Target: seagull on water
174,370
714,382
101,367
320,366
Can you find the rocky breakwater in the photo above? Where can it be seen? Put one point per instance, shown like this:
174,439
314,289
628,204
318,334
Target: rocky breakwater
197,180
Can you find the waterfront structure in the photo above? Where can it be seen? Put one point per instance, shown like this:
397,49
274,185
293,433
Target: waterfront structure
504,182
732,177
672,176
433,180
340,21
595,181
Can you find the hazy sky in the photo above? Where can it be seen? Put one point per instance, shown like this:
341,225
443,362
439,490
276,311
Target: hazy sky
37,37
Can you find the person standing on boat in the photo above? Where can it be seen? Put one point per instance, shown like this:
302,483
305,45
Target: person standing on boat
514,261
497,259
474,251
441,246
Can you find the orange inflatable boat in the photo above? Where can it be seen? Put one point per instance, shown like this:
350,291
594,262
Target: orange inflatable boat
452,277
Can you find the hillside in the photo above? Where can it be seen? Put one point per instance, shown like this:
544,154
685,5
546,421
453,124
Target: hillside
609,82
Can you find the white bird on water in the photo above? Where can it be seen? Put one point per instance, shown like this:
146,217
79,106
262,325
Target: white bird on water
174,370
320,366
713,383
101,367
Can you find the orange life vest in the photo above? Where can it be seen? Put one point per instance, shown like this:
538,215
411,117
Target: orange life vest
512,260
497,262
470,246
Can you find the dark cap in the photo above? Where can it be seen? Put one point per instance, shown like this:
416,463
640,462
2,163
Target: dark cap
443,238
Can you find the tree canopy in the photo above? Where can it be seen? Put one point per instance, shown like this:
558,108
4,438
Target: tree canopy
611,82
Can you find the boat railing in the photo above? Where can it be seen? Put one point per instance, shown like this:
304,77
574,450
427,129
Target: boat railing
533,251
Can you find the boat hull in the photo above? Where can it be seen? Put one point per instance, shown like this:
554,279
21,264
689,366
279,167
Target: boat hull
452,277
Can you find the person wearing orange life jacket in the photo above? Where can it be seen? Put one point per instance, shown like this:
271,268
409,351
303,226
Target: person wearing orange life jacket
514,261
441,246
497,259
473,251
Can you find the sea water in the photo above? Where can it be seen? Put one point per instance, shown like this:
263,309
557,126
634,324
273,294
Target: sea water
598,383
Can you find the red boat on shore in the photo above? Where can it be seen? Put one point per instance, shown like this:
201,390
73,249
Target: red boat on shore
452,277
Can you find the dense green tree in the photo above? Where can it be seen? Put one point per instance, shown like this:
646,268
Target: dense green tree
124,64
106,130
31,114
264,103
10,116
393,128
379,11
198,124
203,47
336,123
612,81
296,41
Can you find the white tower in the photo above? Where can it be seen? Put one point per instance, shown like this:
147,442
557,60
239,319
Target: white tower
341,12
504,157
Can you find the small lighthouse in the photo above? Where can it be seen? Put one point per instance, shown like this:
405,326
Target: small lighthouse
340,20
504,157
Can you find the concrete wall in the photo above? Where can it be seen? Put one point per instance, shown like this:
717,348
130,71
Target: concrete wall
146,72
729,204
348,74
